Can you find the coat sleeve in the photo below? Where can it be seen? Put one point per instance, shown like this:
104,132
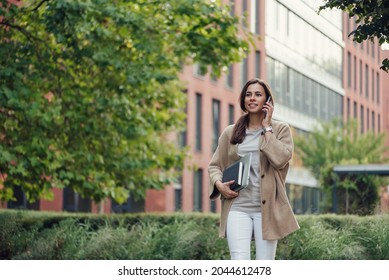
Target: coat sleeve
279,148
215,174
217,165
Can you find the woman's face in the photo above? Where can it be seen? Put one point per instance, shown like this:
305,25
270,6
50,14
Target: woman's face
255,98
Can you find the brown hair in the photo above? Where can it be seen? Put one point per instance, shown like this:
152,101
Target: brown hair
239,132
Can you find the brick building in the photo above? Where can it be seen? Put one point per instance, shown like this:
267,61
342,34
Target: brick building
316,73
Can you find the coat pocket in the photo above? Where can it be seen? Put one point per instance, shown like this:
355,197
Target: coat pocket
281,197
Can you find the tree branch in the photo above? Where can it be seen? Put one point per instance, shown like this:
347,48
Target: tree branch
39,5
21,29
28,35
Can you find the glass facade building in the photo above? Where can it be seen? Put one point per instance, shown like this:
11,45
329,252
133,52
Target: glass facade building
304,55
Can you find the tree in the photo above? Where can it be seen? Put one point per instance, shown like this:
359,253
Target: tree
335,143
372,18
89,91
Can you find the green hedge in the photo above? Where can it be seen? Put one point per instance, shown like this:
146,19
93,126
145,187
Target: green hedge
46,236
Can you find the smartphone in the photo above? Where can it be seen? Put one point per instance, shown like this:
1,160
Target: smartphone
268,100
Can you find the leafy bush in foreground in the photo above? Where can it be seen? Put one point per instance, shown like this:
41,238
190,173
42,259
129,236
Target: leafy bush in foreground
177,236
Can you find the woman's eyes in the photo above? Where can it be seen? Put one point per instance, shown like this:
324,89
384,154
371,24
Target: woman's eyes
256,94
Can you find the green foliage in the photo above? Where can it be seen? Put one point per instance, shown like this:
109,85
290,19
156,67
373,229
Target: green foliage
39,235
372,19
334,143
143,236
89,91
336,237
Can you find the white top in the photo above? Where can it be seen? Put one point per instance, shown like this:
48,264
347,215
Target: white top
249,199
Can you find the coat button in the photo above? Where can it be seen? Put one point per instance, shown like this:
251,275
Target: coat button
263,175
263,201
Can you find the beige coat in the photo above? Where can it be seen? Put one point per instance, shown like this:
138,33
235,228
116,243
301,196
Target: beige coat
278,219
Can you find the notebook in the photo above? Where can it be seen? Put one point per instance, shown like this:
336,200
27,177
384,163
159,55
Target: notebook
234,172
239,171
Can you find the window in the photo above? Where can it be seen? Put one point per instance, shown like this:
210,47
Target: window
291,30
378,88
306,94
348,108
281,81
323,103
367,47
360,77
373,120
300,93
355,73
21,201
130,206
361,120
244,11
215,123
367,119
182,136
257,64
198,121
232,11
73,202
244,72
349,69
214,78
230,77
231,114
199,70
178,195
254,16
366,81
355,110
315,100
198,190
372,84
291,87
270,72
304,200
256,8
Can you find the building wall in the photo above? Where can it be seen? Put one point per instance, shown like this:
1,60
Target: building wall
53,205
385,100
363,81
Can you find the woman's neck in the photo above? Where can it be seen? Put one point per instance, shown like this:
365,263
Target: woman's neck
255,122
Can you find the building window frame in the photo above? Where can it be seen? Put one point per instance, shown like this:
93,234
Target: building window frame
198,122
198,190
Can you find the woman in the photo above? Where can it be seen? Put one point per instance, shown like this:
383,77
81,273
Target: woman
261,210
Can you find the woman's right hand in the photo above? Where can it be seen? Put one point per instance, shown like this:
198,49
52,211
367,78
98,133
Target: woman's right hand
225,190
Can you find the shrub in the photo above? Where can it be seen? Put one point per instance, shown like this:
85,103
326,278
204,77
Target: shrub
177,236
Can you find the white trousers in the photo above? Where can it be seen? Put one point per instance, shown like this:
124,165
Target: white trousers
240,227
